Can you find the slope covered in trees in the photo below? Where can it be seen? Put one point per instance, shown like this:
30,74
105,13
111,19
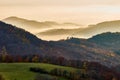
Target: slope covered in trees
24,46
108,40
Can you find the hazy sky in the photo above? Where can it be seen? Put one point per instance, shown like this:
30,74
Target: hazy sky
78,11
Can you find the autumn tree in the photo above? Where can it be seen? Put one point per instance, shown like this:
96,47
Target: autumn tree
3,53
85,67
85,70
35,58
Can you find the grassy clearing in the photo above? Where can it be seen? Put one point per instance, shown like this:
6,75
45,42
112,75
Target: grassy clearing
20,71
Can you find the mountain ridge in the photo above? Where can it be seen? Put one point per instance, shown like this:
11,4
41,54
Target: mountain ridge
91,30
27,24
20,42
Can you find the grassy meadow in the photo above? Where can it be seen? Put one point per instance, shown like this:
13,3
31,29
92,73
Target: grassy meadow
20,71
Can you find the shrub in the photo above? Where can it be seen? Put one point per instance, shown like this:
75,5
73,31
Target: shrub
38,70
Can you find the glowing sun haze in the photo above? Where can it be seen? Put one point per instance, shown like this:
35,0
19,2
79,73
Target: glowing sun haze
78,11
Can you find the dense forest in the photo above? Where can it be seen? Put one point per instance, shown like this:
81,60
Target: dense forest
96,57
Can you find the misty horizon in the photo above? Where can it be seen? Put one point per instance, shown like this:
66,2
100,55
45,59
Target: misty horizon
77,11
50,30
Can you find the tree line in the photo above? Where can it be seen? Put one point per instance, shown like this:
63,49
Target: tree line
100,69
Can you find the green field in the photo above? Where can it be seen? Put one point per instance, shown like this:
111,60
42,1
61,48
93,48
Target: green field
20,71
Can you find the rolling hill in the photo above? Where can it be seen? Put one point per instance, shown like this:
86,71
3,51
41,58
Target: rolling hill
57,34
48,30
20,42
91,30
107,40
35,26
107,26
29,25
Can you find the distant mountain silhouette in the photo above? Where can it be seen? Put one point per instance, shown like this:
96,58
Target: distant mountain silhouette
57,34
29,25
91,30
35,26
107,26
20,42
